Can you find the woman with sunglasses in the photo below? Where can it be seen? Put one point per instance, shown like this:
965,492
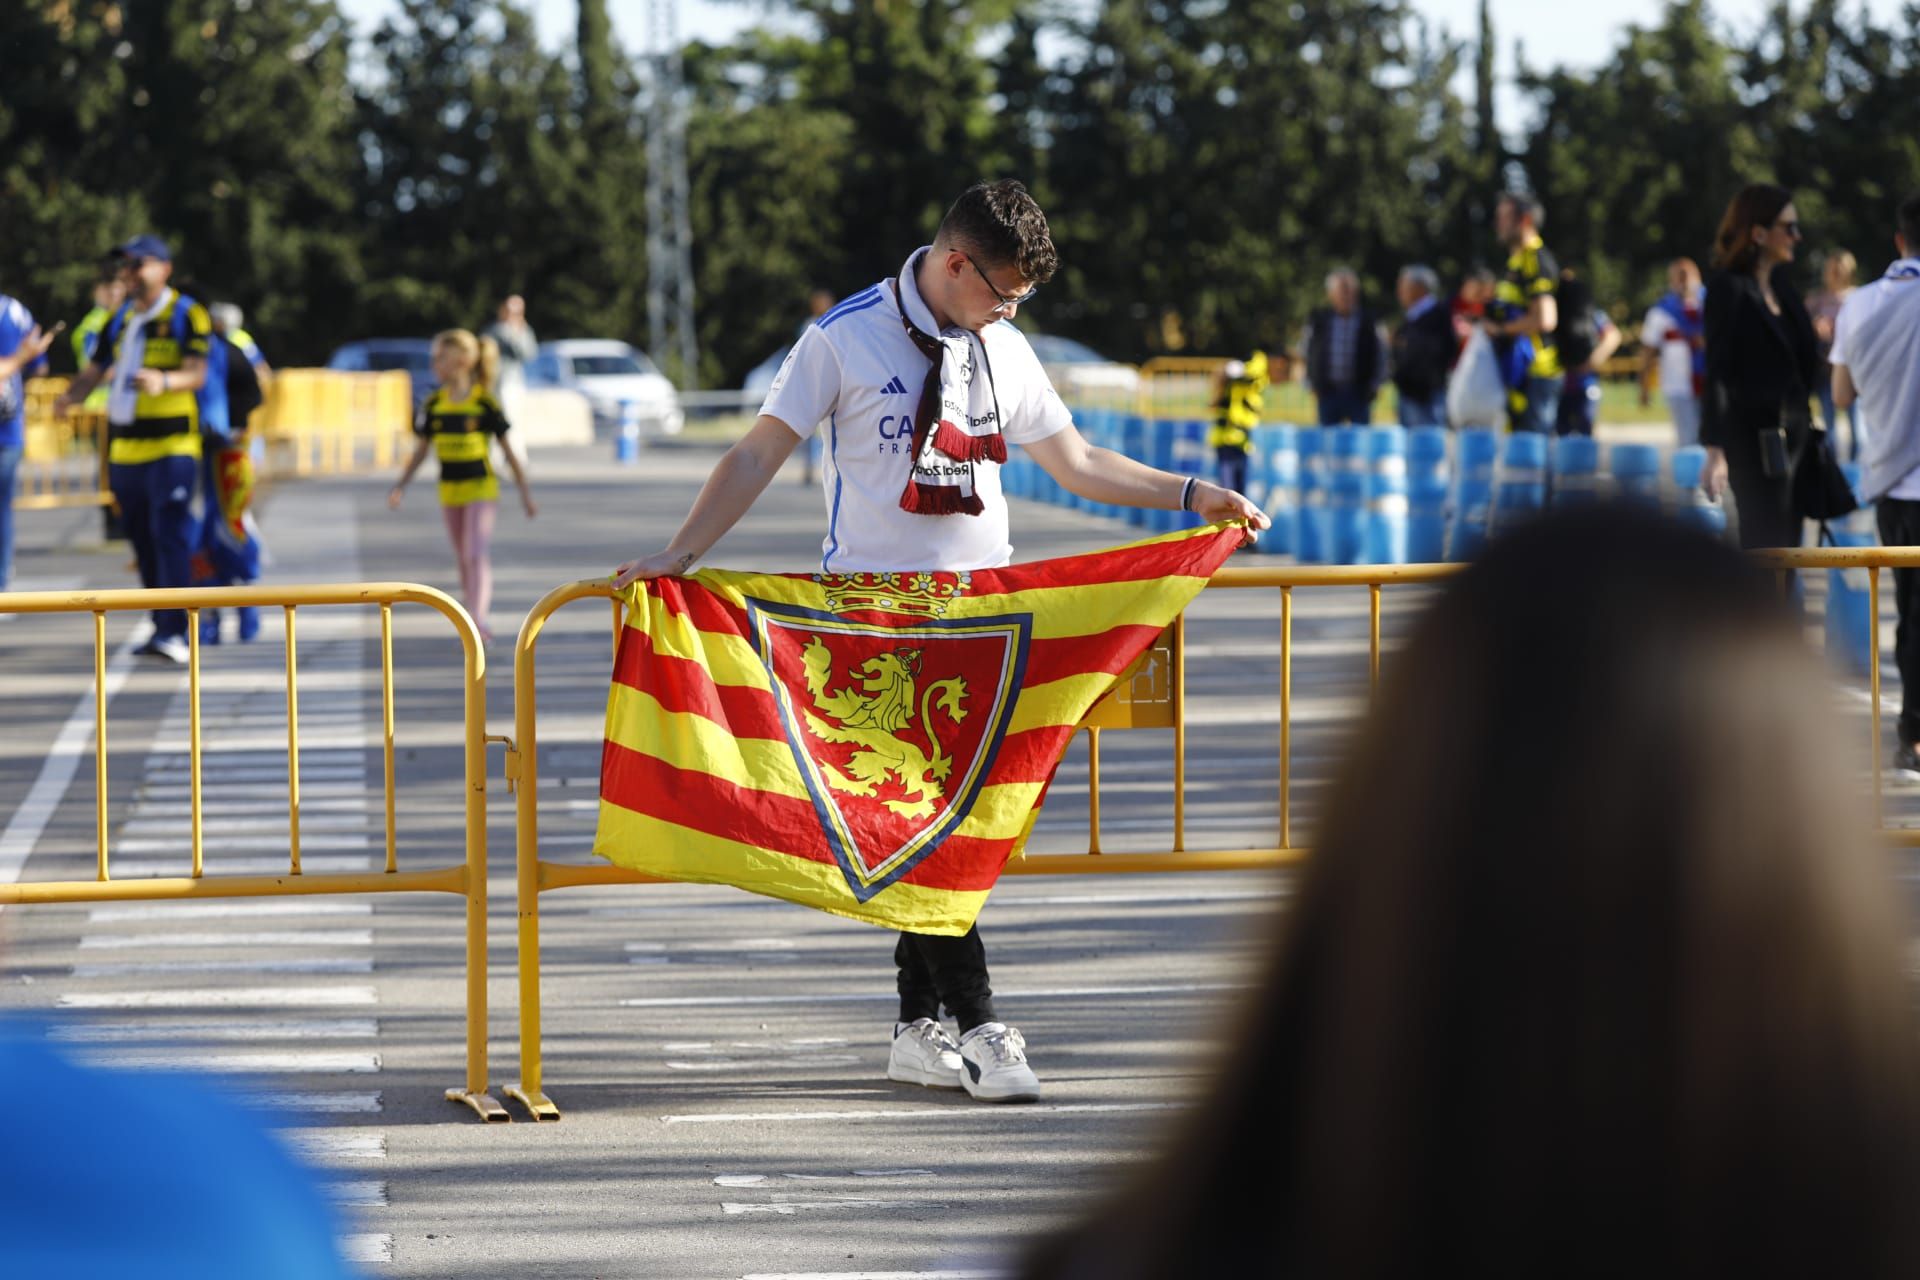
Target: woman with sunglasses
1762,359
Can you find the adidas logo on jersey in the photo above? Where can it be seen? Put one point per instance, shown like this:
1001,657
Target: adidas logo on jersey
894,387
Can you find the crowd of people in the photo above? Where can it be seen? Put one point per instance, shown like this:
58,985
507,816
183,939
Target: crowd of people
177,378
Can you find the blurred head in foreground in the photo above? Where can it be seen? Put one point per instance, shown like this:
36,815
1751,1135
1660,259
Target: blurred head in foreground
1593,970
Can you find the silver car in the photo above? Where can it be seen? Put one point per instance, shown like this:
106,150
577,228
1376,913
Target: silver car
616,379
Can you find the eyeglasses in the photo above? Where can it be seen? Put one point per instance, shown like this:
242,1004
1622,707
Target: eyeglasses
1006,303
1791,228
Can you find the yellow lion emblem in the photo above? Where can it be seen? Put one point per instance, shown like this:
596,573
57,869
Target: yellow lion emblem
871,720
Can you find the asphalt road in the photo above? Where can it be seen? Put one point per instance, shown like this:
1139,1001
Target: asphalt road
718,1057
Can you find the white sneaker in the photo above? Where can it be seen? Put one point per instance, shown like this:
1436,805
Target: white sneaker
923,1053
995,1058
172,648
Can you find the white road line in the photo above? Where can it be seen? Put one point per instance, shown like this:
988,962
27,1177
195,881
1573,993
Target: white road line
762,1179
234,778
226,808
168,912
315,1103
345,964
268,938
787,1208
227,997
181,1032
213,787
227,823
292,1062
791,1062
323,1145
367,1247
211,844
62,761
918,1114
1051,993
357,1193
879,1275
228,865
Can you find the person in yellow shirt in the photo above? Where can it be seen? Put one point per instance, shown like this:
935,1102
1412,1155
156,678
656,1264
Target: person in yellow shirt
154,349
459,422
1241,400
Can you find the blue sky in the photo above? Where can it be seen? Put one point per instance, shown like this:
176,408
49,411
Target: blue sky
1575,35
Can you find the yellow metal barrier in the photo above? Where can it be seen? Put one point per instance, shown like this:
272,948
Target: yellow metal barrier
467,879
64,463
328,422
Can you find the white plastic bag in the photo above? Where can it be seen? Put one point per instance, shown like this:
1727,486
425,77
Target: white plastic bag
1476,393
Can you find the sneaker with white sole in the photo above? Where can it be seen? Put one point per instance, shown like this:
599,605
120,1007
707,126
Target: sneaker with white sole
172,648
995,1058
923,1053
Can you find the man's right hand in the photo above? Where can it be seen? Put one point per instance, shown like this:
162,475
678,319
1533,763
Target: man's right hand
1713,477
63,404
661,564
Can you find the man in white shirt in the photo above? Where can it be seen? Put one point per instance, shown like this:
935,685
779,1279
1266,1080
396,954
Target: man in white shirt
1673,339
1876,360
919,387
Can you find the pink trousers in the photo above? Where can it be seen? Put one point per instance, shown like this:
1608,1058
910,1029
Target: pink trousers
470,528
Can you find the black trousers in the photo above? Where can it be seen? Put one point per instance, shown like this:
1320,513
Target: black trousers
1900,527
937,970
1765,503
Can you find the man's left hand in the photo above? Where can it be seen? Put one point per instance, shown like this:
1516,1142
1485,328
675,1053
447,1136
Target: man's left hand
1215,504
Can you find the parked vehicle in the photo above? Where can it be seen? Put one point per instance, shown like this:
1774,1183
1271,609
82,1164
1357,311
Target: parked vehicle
1076,369
613,377
412,356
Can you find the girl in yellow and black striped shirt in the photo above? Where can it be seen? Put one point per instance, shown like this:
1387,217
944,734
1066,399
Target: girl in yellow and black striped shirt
460,422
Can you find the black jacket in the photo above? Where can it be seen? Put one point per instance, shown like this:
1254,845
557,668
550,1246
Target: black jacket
1423,353
1757,363
1367,355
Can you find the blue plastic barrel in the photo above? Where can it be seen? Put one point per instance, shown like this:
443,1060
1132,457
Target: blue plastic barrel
1686,467
1386,540
626,441
1576,470
1522,488
1309,539
1346,490
1428,481
1473,492
1135,444
1276,460
1636,471
1850,630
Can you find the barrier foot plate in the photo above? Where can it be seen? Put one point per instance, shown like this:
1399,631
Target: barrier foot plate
539,1106
483,1104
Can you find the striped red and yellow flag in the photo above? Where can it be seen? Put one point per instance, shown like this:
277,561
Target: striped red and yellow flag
872,744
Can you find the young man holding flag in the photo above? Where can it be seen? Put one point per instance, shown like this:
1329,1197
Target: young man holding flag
919,389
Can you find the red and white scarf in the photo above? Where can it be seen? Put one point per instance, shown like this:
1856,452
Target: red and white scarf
956,425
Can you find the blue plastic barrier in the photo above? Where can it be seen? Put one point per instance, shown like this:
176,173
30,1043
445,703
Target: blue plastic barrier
1522,488
1346,489
1636,471
1134,442
1386,540
1473,492
1309,539
1576,470
1692,504
1275,479
1191,457
1851,634
1428,481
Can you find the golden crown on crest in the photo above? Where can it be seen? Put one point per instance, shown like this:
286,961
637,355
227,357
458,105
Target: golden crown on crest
925,594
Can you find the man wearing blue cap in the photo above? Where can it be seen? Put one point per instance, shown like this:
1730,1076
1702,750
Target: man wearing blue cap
23,350
156,349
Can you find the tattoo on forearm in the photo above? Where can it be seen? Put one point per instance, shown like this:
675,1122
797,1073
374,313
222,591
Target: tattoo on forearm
681,565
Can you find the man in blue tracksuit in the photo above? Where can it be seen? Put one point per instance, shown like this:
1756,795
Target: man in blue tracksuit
155,347
23,350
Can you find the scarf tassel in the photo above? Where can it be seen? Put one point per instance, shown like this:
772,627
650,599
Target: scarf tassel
962,447
940,500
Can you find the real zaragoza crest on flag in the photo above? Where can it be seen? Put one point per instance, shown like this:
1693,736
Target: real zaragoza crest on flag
876,745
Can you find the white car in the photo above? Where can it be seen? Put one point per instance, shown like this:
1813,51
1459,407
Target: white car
612,376
1076,369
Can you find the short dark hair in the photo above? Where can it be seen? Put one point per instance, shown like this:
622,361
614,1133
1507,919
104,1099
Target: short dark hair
1001,224
1909,223
1527,206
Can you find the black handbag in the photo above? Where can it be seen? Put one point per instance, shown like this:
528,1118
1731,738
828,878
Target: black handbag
1820,488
